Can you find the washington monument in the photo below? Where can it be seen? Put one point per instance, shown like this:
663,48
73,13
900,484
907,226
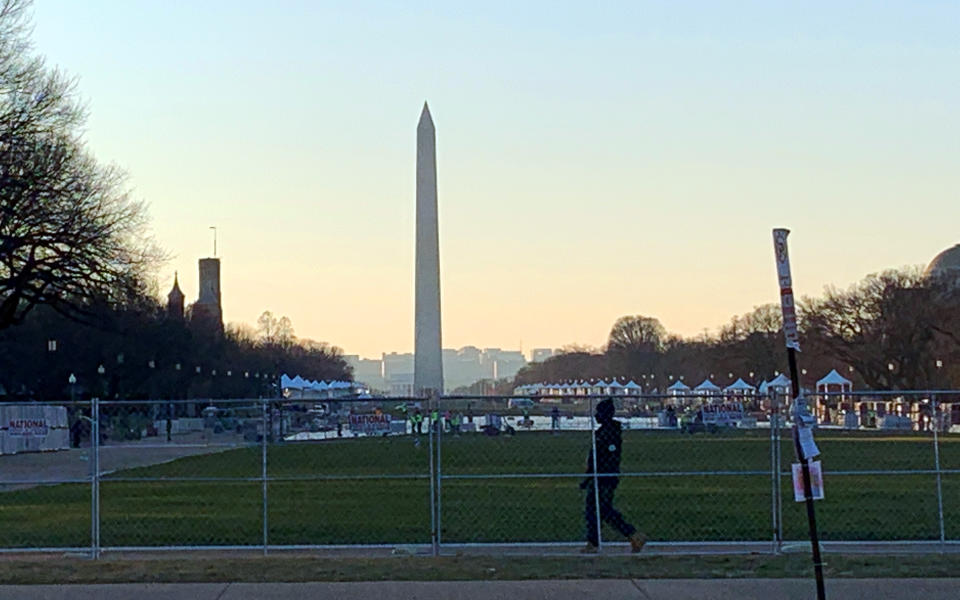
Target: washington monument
427,359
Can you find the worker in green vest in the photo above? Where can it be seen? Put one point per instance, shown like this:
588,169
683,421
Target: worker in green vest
434,419
455,423
417,420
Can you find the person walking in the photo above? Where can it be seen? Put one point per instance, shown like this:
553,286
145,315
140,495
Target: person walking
608,448
555,419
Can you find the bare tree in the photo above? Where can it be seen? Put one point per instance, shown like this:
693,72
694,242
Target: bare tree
752,342
70,234
275,332
634,334
635,345
889,327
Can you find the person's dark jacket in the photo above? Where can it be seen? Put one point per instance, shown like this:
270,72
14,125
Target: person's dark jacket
609,448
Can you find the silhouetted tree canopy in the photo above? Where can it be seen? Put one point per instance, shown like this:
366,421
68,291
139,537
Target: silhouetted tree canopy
70,234
888,331
146,354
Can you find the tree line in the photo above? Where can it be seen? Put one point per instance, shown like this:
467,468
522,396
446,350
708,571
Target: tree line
899,329
77,263
143,353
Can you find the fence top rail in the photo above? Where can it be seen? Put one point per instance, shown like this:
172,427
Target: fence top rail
647,397
704,395
203,402
618,396
67,403
862,393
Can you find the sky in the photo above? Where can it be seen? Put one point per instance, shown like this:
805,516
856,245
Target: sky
594,160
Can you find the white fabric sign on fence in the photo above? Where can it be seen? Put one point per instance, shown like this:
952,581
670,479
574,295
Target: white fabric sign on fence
33,428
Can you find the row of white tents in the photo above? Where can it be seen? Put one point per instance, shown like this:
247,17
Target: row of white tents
299,387
832,382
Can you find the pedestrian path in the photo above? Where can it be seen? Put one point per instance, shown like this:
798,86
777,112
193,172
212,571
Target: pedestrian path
608,589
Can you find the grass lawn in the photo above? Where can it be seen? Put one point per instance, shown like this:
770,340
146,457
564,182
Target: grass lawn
691,488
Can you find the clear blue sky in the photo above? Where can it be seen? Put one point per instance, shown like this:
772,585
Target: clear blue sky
594,161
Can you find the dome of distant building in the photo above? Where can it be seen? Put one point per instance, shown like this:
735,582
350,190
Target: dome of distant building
947,263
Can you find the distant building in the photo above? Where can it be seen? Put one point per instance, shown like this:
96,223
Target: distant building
175,300
508,363
461,368
541,354
946,265
398,373
368,371
207,312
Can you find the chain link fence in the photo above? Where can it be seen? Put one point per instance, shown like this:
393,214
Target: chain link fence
462,471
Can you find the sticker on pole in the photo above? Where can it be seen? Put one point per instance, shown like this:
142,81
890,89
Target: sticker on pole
816,481
787,304
804,423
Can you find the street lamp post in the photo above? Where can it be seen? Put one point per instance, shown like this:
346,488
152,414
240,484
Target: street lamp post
95,410
72,380
170,405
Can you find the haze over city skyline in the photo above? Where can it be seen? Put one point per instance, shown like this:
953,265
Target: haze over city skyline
592,163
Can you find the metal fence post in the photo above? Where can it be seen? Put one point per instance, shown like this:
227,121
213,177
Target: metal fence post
434,540
936,458
263,471
95,478
779,455
439,426
596,477
774,474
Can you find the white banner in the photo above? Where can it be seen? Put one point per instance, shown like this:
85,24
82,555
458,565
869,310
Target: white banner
786,288
28,428
370,424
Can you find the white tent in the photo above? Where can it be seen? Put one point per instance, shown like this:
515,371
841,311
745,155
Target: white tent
740,386
678,390
780,384
834,378
707,386
833,383
707,389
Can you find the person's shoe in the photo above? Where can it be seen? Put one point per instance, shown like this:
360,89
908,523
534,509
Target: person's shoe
589,549
637,541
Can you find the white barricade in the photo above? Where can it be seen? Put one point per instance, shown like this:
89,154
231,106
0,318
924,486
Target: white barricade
33,428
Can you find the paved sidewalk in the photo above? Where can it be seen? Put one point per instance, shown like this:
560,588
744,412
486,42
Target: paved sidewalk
37,468
611,589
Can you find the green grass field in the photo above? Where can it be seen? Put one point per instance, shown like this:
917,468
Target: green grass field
313,501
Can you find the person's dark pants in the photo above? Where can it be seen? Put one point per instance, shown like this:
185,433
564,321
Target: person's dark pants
419,427
607,512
